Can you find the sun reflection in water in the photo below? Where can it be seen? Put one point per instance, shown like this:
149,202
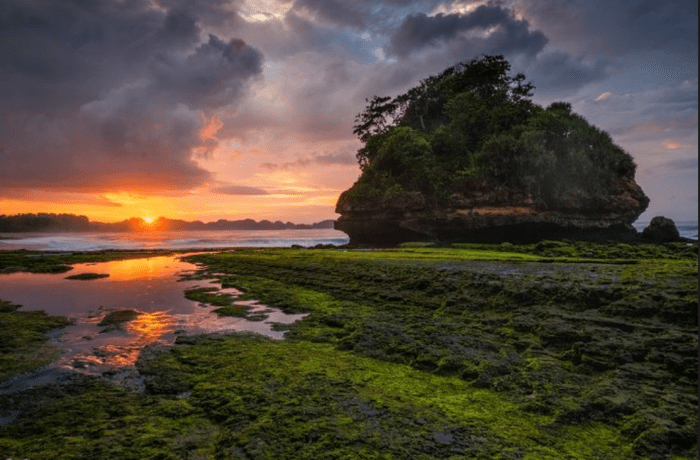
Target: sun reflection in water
149,327
152,287
125,270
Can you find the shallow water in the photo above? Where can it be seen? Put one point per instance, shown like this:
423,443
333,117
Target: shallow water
152,287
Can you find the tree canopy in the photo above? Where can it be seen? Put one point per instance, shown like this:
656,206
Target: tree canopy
474,126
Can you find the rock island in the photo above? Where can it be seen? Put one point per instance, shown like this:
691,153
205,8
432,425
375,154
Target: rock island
467,156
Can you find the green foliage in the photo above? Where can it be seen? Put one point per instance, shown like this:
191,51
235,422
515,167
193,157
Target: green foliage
473,125
560,158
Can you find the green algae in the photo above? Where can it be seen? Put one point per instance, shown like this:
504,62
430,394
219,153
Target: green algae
345,404
88,276
483,352
209,296
589,342
24,344
101,421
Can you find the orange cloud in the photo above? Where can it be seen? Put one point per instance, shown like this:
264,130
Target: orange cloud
670,144
210,128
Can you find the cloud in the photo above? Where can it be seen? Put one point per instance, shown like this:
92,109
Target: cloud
114,95
52,196
681,164
488,28
662,112
557,73
670,144
335,11
340,158
210,77
374,15
239,190
327,159
254,191
617,28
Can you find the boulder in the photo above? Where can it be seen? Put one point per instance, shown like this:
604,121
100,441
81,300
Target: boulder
661,230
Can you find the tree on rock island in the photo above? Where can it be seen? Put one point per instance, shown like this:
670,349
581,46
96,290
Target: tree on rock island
469,139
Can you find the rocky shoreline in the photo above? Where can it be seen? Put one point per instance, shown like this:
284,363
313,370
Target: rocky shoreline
554,349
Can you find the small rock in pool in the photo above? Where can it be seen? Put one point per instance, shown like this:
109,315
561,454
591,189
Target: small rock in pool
87,276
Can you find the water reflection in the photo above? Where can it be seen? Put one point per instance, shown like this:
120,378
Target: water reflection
151,287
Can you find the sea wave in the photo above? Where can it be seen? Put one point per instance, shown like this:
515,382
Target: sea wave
171,240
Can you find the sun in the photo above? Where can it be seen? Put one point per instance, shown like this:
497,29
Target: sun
148,220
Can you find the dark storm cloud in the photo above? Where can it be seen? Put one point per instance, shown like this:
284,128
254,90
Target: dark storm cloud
361,14
336,11
102,95
208,12
347,68
491,27
560,73
620,27
212,76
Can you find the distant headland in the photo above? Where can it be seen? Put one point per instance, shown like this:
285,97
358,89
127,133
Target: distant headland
45,222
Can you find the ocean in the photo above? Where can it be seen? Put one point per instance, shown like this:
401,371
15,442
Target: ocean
170,239
204,239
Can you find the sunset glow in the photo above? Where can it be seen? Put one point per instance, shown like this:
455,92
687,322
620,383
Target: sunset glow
248,112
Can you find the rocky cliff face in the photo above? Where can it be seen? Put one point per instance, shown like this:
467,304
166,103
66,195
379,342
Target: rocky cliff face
489,216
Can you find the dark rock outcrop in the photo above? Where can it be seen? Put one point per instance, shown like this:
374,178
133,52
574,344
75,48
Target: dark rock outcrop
491,216
661,230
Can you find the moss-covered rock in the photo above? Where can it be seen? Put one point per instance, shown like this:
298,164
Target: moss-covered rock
24,343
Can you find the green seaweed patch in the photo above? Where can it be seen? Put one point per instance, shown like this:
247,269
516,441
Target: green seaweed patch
225,303
414,353
100,421
115,320
416,244
242,311
309,400
88,276
208,296
590,342
24,341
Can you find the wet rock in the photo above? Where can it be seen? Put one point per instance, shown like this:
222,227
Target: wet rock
661,230
116,319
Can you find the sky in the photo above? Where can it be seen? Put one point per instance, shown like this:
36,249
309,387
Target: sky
232,109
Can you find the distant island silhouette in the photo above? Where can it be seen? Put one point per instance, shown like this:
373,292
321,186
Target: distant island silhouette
45,222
